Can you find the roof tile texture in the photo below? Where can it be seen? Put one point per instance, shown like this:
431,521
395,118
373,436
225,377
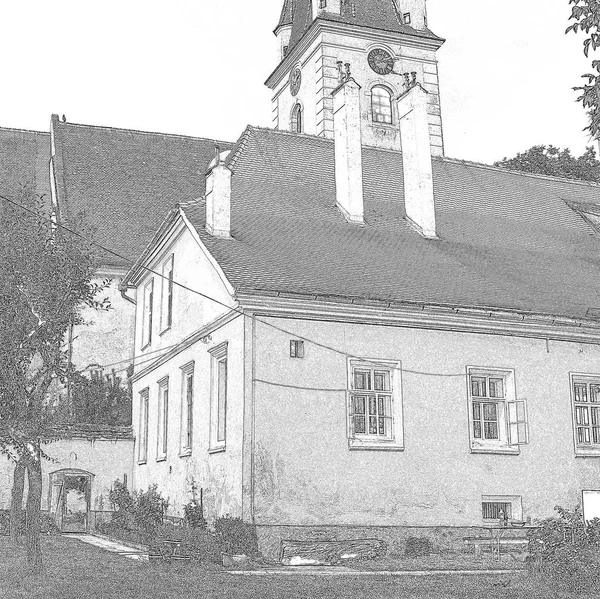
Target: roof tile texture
123,182
507,240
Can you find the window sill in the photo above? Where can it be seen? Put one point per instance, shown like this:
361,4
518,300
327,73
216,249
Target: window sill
164,331
368,445
587,452
162,458
501,450
145,347
142,462
386,126
185,453
217,449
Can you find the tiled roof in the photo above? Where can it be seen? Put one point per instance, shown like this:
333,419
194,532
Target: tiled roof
24,159
287,13
124,182
375,14
508,240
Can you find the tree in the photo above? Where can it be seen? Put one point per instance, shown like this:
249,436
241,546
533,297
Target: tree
99,399
586,14
45,279
549,160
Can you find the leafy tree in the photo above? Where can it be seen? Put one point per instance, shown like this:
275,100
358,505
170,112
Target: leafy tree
586,14
549,160
45,279
99,399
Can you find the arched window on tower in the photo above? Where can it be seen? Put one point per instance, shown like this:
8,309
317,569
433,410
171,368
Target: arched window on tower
381,105
296,122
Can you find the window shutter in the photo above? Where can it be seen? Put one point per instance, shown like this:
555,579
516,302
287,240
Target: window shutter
517,422
350,416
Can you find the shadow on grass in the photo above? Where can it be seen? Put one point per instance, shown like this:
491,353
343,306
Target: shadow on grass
74,570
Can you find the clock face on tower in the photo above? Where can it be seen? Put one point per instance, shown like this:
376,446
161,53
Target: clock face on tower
295,81
381,61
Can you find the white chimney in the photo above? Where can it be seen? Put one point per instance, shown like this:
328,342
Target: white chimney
348,147
218,196
416,159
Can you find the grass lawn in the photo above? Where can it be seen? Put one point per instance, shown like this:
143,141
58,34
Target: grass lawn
75,570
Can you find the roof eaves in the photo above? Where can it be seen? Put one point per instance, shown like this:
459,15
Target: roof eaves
133,274
421,306
58,167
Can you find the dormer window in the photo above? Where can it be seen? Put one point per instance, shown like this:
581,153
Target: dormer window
296,121
406,18
322,3
381,105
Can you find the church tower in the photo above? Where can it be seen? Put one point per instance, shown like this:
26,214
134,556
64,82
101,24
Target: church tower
385,44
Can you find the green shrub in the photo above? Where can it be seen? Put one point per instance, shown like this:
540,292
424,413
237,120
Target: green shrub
236,536
418,547
197,543
193,516
149,509
566,549
47,523
143,511
123,504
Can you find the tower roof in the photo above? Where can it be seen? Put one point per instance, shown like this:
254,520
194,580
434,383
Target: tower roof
375,14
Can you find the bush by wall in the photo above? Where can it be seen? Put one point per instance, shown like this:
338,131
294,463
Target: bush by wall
566,549
236,536
48,525
197,543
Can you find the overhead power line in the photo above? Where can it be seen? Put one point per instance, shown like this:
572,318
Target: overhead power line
223,304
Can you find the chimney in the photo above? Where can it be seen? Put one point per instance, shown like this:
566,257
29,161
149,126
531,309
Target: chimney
416,157
218,196
348,146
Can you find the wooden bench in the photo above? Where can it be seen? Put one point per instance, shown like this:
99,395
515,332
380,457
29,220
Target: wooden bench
508,543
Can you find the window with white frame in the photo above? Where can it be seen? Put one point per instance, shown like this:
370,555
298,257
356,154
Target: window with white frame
374,405
585,391
381,105
163,419
497,419
147,313
143,429
187,408
166,304
219,390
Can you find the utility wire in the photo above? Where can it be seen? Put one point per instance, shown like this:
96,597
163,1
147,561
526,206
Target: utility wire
234,309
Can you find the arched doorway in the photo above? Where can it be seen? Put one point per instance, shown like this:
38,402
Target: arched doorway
69,499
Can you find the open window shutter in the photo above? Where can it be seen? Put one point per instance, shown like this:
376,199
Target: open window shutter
517,422
350,416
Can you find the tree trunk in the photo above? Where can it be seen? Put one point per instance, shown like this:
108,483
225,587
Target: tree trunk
16,504
34,507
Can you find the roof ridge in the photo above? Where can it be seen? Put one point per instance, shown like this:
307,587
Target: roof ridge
439,158
19,130
492,167
123,130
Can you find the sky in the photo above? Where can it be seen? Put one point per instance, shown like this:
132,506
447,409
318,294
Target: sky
197,67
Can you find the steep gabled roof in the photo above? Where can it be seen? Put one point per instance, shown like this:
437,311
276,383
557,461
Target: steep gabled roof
374,14
508,240
24,158
124,182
